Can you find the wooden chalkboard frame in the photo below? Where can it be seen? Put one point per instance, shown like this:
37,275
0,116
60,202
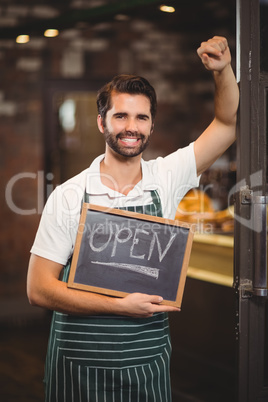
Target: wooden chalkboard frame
184,229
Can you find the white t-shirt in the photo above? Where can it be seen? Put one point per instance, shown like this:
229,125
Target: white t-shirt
172,176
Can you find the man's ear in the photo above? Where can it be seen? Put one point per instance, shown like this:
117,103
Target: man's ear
100,123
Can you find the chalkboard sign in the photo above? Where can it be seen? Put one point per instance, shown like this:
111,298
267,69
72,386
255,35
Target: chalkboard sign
120,252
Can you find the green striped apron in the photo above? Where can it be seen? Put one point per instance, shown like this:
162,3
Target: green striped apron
109,358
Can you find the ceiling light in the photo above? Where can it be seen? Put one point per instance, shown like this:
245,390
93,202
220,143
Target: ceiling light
51,33
22,39
167,9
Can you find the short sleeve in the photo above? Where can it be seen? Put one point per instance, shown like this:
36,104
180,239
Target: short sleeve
55,237
175,175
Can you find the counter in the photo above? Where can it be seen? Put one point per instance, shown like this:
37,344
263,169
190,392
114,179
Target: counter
212,259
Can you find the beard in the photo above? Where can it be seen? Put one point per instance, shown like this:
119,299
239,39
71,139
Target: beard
113,142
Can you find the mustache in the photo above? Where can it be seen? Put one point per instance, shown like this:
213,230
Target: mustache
123,134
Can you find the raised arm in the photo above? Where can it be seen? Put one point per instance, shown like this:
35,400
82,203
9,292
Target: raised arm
220,134
46,290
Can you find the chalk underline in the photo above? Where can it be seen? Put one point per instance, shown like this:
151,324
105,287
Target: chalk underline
153,272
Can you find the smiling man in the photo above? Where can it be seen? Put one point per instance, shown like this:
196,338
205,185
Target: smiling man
107,348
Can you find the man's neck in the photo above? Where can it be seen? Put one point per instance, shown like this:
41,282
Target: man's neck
120,173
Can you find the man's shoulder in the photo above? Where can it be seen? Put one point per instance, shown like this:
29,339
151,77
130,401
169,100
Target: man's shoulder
179,156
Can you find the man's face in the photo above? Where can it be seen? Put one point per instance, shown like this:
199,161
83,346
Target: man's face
128,124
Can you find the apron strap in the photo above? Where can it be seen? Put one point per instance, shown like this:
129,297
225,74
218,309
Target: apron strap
156,211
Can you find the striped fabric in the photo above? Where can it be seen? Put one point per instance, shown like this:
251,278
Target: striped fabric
109,358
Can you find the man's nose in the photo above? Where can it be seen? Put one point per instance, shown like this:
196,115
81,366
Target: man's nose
131,125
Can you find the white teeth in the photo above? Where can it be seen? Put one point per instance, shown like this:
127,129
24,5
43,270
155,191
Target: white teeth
130,140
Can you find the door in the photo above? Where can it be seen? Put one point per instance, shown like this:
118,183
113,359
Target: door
72,139
251,203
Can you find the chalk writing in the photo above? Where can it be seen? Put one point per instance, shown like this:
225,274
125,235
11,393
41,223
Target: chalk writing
153,272
121,235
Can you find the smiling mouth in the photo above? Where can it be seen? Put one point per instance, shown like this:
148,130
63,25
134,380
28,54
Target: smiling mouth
130,141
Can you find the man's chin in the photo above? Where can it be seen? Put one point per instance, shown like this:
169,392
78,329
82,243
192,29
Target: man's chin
127,152
130,153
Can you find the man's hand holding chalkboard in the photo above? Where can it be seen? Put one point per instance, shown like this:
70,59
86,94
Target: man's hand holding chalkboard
143,305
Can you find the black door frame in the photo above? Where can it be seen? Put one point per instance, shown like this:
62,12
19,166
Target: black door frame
250,270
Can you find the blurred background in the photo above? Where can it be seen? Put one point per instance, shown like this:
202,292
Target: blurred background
54,56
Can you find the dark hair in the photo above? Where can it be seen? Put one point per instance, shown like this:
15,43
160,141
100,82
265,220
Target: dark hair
124,83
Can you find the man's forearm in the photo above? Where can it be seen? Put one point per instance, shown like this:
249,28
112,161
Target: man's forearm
60,298
226,96
44,289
